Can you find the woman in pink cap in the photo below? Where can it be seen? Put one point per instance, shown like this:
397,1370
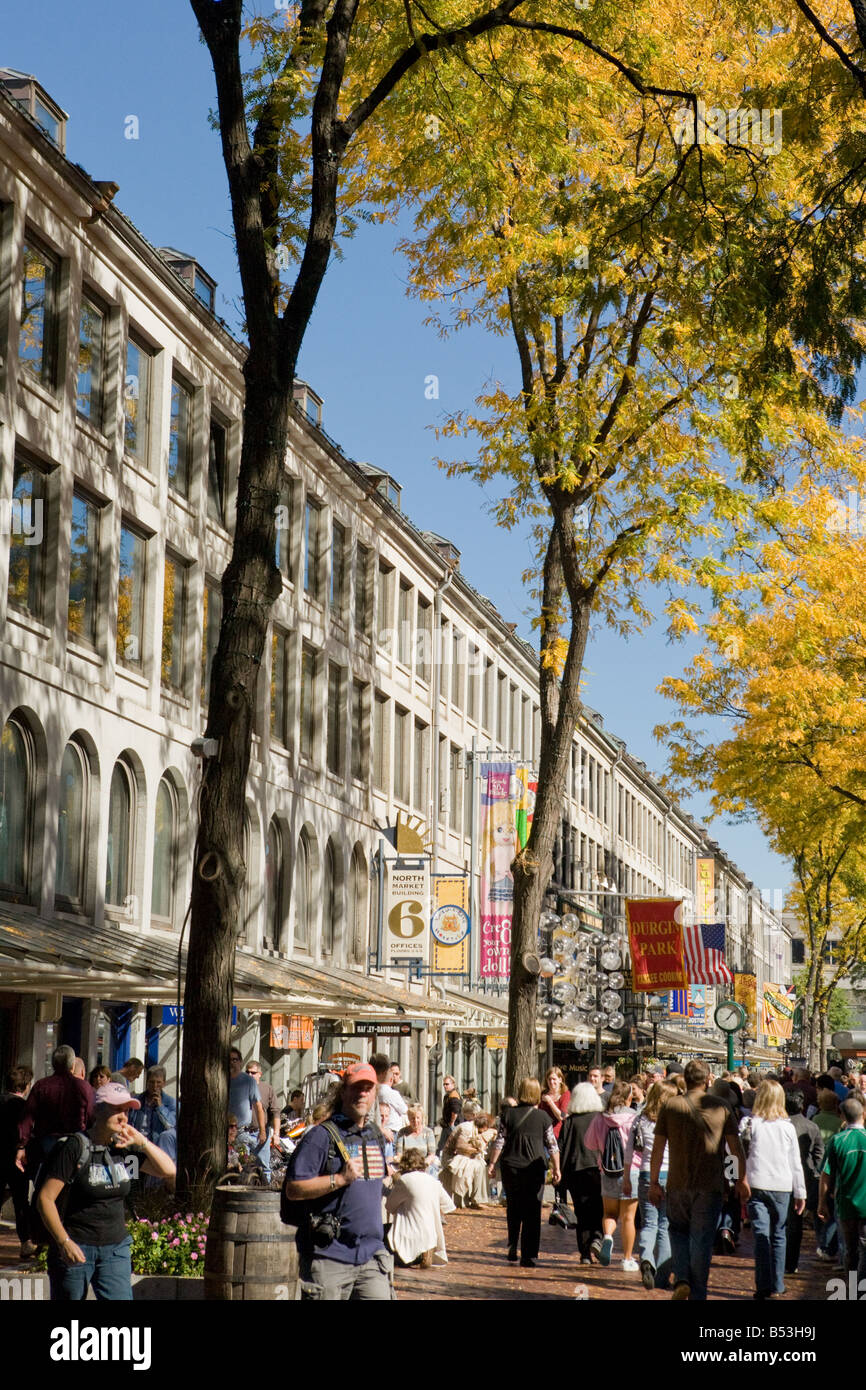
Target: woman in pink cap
94,1171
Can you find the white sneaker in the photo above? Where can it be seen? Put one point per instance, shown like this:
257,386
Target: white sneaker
630,1266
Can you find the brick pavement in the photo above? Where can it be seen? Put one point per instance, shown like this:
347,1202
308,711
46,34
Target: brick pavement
477,1269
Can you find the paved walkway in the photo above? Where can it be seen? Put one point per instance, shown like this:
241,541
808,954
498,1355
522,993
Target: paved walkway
477,1269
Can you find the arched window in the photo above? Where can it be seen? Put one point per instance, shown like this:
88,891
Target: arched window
331,904
16,788
304,891
72,826
358,905
165,831
121,819
275,889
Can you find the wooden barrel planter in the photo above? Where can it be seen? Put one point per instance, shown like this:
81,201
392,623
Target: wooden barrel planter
250,1254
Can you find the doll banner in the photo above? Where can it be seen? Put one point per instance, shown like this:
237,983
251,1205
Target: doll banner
507,804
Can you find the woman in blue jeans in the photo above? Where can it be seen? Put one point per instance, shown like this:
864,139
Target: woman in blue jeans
90,1241
774,1173
654,1246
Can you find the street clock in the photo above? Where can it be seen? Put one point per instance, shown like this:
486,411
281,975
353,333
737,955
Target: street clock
730,1016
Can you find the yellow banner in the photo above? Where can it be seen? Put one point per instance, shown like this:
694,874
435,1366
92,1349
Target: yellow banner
706,895
497,1040
746,993
450,929
777,1012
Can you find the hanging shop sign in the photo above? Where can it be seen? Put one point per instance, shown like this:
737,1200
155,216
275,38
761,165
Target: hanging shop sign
407,911
777,1014
170,1015
450,924
291,1031
655,937
496,1041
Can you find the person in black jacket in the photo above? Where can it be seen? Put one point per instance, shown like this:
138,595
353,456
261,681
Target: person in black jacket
524,1135
580,1172
811,1144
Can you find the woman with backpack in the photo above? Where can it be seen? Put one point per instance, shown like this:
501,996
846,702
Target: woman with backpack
525,1132
609,1134
580,1175
87,1223
654,1242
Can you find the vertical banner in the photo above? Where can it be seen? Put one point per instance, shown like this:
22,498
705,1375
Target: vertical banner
498,848
679,1005
449,923
746,993
527,786
407,913
777,1012
706,895
655,938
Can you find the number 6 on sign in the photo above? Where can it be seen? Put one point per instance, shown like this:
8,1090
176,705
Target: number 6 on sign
406,912
405,919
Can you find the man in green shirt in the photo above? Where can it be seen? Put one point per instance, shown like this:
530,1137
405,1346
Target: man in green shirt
844,1177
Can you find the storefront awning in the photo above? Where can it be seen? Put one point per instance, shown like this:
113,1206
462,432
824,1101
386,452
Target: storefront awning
118,962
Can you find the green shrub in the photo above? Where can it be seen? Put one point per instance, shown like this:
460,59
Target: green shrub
169,1245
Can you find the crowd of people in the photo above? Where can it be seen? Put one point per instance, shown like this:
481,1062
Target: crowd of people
675,1161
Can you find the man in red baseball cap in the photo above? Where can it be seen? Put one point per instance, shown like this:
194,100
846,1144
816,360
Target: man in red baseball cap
333,1194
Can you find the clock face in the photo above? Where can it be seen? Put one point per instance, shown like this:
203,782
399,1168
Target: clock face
730,1016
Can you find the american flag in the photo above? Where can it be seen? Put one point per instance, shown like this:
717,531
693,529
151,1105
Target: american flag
704,955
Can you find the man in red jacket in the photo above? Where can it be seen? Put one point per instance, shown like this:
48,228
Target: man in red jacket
58,1104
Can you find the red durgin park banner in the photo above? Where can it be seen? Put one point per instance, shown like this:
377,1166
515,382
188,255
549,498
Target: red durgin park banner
655,938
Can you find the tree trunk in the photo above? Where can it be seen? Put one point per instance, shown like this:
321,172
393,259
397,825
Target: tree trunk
534,864
249,586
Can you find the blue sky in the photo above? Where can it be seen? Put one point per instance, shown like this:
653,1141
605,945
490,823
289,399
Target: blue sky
367,351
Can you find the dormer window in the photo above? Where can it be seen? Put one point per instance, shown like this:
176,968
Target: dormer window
189,270
309,402
24,88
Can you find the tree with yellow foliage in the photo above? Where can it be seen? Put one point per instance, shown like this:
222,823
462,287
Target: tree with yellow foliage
782,678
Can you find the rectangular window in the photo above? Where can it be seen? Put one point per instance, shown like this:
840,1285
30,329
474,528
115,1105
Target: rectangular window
458,668
362,589
502,713
130,597
575,771
401,754
136,399
211,619
338,568
216,473
421,767
280,686
536,734
26,539
180,438
360,732
285,517
384,620
91,356
583,777
473,679
468,789
381,761
307,708
173,624
489,688
404,620
313,518
456,781
424,640
515,720
37,339
526,723
443,779
83,571
336,719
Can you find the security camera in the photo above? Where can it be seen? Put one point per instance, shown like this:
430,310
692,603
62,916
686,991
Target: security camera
204,747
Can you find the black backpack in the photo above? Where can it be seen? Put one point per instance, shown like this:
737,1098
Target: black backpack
39,1233
612,1155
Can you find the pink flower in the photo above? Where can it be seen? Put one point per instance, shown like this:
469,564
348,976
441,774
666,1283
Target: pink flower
154,1236
175,1241
194,1255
